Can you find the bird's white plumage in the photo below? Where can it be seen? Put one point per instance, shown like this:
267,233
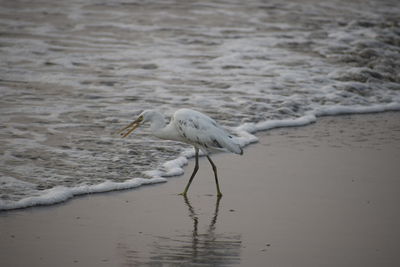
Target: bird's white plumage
188,126
191,127
203,132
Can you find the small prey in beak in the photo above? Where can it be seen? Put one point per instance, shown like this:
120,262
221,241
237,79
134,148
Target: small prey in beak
124,132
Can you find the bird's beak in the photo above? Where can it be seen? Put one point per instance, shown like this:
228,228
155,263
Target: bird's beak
124,132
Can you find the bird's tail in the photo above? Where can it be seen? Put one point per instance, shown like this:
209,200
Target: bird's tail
230,144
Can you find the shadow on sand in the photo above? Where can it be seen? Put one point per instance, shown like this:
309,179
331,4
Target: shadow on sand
195,248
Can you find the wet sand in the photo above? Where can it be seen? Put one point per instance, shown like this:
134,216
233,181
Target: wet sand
322,195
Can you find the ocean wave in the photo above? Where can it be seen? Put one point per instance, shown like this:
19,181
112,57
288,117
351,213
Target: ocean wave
175,167
72,74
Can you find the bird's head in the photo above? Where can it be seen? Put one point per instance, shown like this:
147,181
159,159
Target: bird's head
141,119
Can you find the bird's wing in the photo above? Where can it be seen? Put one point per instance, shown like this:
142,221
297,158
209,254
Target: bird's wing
203,132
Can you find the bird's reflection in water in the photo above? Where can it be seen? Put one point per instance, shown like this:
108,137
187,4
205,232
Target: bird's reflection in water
196,248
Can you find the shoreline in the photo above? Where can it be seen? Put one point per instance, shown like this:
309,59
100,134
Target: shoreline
248,135
325,194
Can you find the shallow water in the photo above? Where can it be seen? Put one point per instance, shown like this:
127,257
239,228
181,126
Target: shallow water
73,72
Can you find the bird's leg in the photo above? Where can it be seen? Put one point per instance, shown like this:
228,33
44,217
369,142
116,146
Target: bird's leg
196,168
216,176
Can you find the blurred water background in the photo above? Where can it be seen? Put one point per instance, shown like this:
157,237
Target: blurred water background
73,72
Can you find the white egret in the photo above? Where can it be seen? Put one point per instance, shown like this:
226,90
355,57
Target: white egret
190,127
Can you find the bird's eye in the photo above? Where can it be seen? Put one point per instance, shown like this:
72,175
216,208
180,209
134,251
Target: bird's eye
141,118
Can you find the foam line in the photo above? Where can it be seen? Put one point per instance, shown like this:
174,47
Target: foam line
341,110
61,193
174,167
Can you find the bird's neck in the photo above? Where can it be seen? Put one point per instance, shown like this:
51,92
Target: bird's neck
157,122
161,130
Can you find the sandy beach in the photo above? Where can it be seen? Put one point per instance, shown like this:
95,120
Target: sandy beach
321,195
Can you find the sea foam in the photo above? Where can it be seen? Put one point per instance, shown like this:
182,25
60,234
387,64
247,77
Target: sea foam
174,167
61,193
251,67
